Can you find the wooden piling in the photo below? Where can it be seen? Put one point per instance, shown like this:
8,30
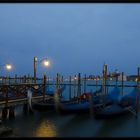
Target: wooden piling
96,84
11,112
48,81
35,61
104,79
85,84
79,85
28,78
70,88
62,79
44,92
137,94
57,82
8,79
4,113
6,99
75,86
116,81
15,78
122,83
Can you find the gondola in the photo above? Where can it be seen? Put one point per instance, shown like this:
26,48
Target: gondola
50,103
107,99
78,106
87,102
119,106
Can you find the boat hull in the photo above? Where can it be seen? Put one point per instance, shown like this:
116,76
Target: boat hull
75,107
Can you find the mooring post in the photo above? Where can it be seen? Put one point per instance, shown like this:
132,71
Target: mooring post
24,79
91,110
103,71
11,112
122,83
75,86
28,79
44,93
9,79
59,83
35,61
6,101
15,78
137,94
5,109
4,113
79,86
116,81
70,88
20,79
105,79
96,84
62,78
47,82
57,76
85,84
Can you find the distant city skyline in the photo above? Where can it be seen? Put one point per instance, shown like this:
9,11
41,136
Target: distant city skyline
75,37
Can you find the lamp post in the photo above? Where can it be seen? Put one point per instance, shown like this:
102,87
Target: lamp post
46,63
8,66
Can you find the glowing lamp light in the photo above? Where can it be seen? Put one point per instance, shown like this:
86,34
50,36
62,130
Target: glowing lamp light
75,78
46,63
8,66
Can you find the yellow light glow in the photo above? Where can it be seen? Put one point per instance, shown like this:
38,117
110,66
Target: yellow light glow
35,58
8,66
75,78
46,63
46,129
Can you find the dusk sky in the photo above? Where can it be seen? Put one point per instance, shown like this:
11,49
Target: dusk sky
74,37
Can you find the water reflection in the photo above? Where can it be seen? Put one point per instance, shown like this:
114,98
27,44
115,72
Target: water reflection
113,126
45,129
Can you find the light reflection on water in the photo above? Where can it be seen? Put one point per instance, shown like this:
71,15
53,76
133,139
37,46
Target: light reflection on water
49,124
45,129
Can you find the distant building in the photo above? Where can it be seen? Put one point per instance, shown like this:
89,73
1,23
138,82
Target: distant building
132,77
117,76
93,77
120,77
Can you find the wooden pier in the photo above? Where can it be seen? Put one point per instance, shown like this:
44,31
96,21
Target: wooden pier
13,91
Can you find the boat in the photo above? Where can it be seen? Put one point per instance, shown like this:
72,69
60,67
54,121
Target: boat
112,111
78,106
120,106
48,104
88,101
43,105
107,99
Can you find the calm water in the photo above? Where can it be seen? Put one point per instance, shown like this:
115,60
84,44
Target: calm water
51,124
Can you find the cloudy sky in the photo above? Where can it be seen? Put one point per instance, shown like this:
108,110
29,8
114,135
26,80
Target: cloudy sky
74,37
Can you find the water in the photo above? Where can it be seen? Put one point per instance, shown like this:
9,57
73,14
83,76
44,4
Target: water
51,124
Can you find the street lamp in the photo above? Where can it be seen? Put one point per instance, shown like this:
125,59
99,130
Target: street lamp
8,66
46,63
